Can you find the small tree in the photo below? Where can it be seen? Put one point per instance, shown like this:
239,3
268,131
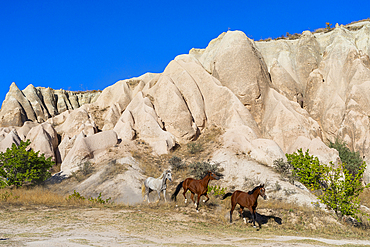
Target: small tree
307,168
19,165
337,188
352,160
342,190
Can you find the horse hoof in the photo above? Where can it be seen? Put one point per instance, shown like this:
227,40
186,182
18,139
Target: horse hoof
197,211
204,200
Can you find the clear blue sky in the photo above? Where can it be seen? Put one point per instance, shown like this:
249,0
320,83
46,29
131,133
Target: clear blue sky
86,45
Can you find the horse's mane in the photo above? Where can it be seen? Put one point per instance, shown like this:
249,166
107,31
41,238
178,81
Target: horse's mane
252,191
206,175
164,173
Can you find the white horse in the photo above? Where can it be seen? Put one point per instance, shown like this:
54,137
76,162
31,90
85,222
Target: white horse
158,184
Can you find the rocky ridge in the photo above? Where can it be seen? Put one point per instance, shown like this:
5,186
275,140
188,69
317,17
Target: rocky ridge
269,97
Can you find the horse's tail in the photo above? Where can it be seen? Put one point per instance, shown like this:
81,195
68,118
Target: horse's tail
178,188
226,195
143,190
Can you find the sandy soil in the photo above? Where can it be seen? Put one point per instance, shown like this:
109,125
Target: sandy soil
134,227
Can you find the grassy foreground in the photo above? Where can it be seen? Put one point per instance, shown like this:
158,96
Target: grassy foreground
27,208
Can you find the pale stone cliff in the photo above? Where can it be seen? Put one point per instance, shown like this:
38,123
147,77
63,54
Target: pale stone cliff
269,97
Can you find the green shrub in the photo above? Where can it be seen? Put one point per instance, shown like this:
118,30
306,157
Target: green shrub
176,163
307,169
75,196
194,147
217,190
19,166
352,160
78,197
342,190
99,200
337,188
200,169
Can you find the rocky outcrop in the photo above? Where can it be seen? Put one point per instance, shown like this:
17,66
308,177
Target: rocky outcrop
269,98
85,148
140,120
38,104
234,60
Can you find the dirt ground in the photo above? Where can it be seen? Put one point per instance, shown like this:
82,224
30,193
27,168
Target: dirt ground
139,226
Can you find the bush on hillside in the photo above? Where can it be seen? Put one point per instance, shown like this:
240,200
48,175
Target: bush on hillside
200,169
176,163
19,166
336,187
352,160
307,169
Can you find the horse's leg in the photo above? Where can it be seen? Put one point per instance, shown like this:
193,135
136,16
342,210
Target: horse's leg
186,200
164,195
207,198
253,216
241,214
192,197
147,191
197,204
233,205
159,195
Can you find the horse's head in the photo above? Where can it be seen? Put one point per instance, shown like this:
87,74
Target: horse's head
263,191
169,175
213,176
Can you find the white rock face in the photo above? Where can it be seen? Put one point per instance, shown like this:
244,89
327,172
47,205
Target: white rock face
38,104
85,148
140,120
44,138
269,98
8,140
234,60
73,122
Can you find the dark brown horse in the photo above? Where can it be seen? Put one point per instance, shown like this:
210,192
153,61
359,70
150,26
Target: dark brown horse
246,200
199,187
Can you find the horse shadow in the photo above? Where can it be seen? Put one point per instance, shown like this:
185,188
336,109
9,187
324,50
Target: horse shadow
262,219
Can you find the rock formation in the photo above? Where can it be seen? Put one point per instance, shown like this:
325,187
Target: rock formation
269,98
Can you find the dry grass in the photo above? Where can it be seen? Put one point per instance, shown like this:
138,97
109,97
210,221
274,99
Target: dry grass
34,196
275,217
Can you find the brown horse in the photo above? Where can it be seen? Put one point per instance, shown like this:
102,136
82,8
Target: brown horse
199,187
246,200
